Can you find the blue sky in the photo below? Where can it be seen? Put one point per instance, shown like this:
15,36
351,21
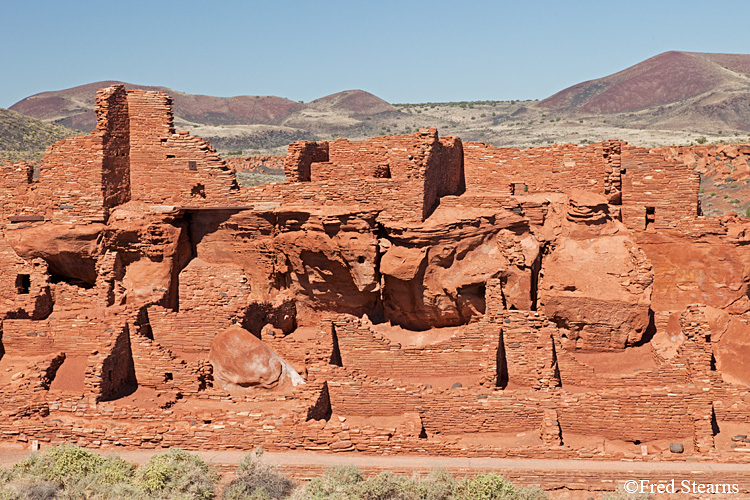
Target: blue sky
401,51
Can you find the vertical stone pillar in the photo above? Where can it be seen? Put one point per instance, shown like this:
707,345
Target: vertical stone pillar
551,432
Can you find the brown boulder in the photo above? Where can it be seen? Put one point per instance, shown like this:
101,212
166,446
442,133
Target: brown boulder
241,360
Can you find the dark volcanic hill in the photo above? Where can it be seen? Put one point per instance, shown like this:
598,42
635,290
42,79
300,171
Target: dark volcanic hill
670,89
74,107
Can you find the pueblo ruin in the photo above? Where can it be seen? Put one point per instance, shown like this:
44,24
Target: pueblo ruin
407,294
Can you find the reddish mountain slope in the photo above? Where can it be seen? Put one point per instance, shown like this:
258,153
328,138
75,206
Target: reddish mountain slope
667,78
74,106
356,102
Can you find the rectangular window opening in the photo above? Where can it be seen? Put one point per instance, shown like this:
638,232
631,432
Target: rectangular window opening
23,284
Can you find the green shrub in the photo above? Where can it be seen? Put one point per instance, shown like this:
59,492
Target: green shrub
490,486
92,488
701,140
177,474
336,483
531,493
438,485
68,471
60,464
29,489
258,481
384,486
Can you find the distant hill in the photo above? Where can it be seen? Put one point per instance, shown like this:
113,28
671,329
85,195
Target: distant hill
75,106
283,120
671,98
25,138
668,90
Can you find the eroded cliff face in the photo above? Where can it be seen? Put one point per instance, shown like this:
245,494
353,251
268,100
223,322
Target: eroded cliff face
434,275
579,266
708,269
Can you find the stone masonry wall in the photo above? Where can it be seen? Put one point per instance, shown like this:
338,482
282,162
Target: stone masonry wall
24,286
168,167
69,188
405,173
665,188
15,181
558,168
301,155
112,121
111,369
78,335
471,351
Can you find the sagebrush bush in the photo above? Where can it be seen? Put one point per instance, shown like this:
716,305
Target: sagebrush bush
93,488
60,464
177,474
490,486
347,483
336,483
29,489
257,480
68,471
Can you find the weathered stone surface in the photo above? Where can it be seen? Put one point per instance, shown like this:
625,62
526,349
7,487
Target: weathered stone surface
596,282
435,274
69,250
684,264
240,360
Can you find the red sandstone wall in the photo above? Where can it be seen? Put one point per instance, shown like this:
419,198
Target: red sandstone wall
81,177
406,174
302,154
558,168
169,168
112,123
15,182
470,352
444,171
15,300
110,371
69,189
667,186
79,335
